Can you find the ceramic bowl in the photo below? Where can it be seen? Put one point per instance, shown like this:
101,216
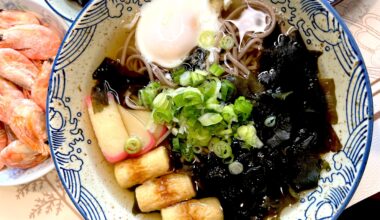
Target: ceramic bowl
97,32
9,177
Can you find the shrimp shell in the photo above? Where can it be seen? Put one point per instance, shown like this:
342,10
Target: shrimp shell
40,86
17,68
36,42
27,121
9,18
20,155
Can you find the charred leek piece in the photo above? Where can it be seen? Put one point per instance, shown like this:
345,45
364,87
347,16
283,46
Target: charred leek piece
135,171
164,191
205,209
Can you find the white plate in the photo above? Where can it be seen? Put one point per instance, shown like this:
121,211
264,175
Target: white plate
11,177
66,9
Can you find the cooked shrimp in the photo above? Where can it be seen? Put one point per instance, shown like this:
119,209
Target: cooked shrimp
8,89
3,137
19,155
17,68
9,18
36,42
40,86
27,121
3,141
10,135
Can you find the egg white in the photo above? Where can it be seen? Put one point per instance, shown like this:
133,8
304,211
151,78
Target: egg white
168,30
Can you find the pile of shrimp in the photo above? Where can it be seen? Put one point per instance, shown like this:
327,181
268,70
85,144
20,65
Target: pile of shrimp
27,49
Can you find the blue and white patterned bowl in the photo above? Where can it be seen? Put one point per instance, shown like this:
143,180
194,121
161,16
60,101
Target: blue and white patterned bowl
89,179
11,177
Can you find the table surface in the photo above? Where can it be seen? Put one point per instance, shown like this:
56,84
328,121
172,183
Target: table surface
45,198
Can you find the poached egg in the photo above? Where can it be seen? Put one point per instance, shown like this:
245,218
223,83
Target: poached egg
168,30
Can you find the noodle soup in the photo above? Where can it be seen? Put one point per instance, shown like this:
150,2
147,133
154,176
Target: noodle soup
213,109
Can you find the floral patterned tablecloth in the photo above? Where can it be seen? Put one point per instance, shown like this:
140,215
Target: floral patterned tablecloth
45,198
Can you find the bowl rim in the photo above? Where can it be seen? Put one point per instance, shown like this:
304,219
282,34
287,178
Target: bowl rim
355,47
370,107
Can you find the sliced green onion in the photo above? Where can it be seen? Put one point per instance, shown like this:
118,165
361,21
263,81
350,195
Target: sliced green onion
219,129
210,119
176,145
147,94
197,149
226,43
235,168
199,135
247,133
162,109
227,90
228,114
243,108
187,97
270,121
216,69
187,153
162,116
201,72
190,112
207,39
222,149
215,106
176,73
198,77
210,89
185,79
133,145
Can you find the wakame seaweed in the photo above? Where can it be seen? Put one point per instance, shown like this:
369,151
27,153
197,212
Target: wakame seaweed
287,89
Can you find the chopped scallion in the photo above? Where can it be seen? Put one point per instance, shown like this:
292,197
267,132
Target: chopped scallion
206,39
216,69
227,90
226,43
210,119
270,121
187,97
228,114
176,73
198,77
243,108
222,149
133,145
185,79
176,145
162,109
235,168
247,133
147,94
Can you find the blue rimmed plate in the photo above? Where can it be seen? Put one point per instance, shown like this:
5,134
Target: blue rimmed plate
89,179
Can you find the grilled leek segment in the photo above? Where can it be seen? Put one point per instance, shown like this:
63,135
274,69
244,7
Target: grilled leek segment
164,191
202,209
135,171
